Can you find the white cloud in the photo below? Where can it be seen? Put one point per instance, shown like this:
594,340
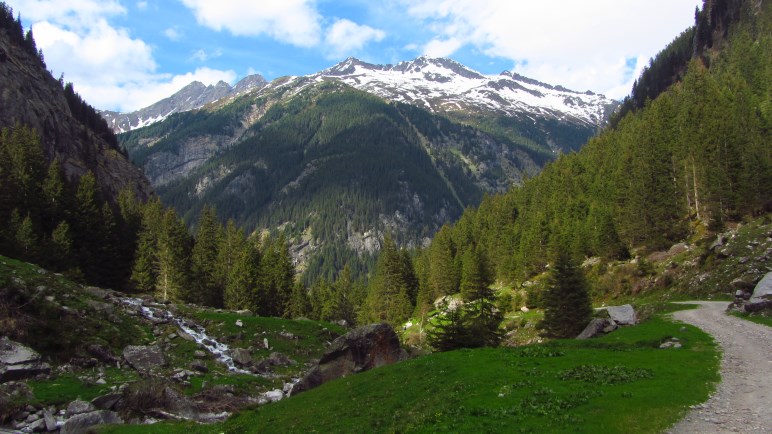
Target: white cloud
345,37
142,5
137,94
202,55
295,22
581,45
110,69
442,48
173,34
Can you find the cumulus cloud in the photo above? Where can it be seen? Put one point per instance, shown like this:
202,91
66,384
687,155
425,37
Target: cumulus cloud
202,55
344,37
110,68
557,41
295,22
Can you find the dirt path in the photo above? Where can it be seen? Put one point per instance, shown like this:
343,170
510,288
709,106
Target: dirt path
743,401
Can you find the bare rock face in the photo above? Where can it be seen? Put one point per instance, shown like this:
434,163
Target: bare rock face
31,96
361,349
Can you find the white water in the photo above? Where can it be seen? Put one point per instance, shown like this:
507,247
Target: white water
220,350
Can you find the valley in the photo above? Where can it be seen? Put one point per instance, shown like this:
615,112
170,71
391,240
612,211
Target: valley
412,246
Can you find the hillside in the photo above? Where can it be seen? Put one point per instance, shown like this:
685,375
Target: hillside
69,129
692,162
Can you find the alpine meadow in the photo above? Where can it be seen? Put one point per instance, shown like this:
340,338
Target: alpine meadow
365,246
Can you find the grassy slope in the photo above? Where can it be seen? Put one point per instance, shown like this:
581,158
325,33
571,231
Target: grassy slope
623,383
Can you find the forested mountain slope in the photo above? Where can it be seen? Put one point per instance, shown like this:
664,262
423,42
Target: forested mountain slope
334,166
697,157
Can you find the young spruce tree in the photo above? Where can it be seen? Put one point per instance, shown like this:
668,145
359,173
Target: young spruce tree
566,302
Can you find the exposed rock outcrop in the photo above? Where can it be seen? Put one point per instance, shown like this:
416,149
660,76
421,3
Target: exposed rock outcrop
32,96
18,361
359,350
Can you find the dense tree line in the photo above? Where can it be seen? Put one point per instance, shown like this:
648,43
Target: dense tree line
66,226
711,23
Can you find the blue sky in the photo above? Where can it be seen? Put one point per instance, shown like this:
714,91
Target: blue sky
126,54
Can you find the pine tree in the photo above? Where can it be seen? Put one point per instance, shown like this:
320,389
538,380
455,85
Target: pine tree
208,290
173,259
27,240
566,302
62,247
299,305
388,297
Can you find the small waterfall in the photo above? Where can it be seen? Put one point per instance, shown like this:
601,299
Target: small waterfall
220,350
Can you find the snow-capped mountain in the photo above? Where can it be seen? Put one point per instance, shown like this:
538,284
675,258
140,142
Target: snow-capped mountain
191,97
444,85
440,85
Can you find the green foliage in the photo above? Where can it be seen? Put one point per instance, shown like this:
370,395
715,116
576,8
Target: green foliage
566,302
388,297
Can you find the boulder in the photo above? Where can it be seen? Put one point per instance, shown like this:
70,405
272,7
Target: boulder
757,306
50,421
78,407
80,422
18,361
622,315
763,289
198,365
594,328
107,402
241,357
144,357
359,350
101,353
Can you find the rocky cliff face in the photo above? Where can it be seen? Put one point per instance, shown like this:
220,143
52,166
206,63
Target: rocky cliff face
29,95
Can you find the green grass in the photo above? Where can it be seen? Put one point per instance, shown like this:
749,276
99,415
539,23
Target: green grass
758,319
621,383
68,387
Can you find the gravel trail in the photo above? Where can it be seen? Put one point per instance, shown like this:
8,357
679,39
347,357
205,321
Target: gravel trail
742,402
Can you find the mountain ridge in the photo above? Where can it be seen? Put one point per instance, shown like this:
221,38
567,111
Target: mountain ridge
191,97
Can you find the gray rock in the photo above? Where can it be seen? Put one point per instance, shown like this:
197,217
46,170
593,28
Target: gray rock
763,289
18,361
38,425
50,421
594,328
80,422
198,365
757,306
107,402
359,350
144,358
241,356
199,354
623,315
78,407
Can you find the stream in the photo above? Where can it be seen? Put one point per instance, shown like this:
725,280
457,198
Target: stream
157,313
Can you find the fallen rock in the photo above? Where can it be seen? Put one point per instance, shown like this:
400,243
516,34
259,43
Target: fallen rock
18,361
622,315
763,289
80,422
144,357
107,402
198,365
50,421
359,350
241,356
101,353
593,329
78,406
